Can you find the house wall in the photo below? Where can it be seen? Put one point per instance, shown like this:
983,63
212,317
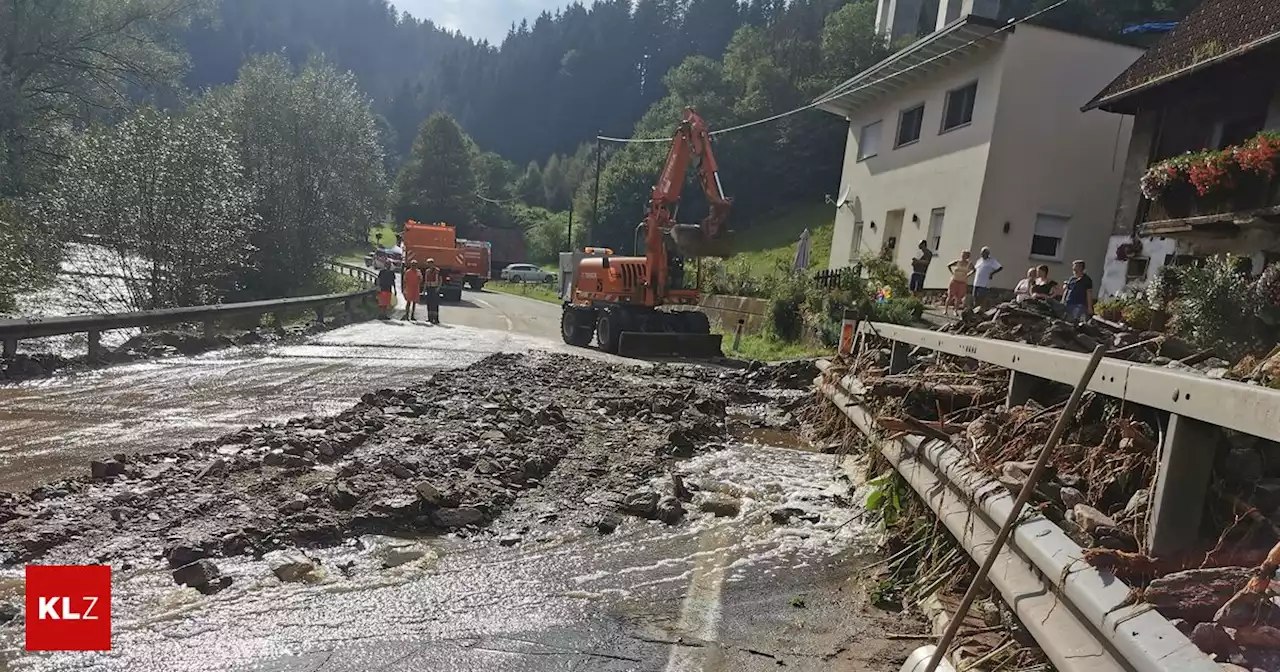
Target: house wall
941,170
1048,157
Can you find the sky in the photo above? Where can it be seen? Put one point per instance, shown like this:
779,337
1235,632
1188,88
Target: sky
480,19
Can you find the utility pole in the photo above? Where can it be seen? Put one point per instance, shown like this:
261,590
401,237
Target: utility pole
568,241
595,207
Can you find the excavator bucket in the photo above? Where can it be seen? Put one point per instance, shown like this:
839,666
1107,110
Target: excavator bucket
645,345
692,241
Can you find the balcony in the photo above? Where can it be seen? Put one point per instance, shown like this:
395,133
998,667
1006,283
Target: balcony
1214,194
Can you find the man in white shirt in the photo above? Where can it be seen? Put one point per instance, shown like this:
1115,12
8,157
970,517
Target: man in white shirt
985,269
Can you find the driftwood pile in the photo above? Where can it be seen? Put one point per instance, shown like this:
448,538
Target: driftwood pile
1044,323
1099,486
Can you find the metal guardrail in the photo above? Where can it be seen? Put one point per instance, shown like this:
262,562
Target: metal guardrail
1081,617
1245,408
1197,406
12,331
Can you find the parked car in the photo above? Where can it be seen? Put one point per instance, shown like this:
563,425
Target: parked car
526,273
388,257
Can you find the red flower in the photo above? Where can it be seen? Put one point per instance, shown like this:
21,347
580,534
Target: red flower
1209,173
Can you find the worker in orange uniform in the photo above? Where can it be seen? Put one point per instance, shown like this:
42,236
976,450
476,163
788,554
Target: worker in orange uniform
431,291
412,289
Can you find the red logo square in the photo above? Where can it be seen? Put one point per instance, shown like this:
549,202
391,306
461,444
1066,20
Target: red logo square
68,608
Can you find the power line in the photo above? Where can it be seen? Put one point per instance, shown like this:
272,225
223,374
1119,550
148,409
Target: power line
822,101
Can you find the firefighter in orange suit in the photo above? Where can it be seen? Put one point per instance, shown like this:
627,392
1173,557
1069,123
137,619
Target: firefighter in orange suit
431,291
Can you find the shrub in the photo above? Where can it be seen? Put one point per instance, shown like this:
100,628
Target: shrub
881,272
1217,305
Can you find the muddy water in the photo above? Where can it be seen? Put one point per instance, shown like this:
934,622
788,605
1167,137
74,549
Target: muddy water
648,597
50,428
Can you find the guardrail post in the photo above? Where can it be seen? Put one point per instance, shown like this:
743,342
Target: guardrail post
10,348
898,357
95,344
278,317
1020,387
737,334
1182,483
348,310
320,314
210,328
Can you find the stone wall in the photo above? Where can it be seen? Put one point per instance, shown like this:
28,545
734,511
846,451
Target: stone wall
725,311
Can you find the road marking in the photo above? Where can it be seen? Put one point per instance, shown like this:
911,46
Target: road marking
700,612
510,325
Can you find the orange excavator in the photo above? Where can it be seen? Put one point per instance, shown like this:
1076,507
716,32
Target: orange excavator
640,306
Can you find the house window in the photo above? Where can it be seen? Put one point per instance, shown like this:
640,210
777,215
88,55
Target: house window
1046,239
1136,268
909,123
869,141
959,107
935,228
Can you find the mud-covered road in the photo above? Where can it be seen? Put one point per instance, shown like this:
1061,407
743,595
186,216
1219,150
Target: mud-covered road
49,427
425,503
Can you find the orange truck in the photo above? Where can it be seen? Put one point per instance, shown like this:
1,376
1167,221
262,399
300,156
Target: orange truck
477,255
437,241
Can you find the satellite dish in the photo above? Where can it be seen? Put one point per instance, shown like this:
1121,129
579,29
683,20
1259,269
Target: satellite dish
844,197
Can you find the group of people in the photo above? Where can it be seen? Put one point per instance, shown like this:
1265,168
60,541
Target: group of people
1075,292
419,283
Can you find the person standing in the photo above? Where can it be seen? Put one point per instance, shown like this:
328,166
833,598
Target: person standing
386,289
983,271
1043,287
1077,293
431,291
411,290
1023,291
960,269
920,266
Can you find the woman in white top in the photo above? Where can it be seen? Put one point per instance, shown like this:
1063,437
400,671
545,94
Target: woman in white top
1023,291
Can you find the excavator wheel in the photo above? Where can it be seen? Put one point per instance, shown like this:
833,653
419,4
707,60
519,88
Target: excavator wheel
577,325
609,327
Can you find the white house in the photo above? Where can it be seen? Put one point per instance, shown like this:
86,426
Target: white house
974,136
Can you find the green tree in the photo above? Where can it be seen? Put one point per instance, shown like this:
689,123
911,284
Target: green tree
66,62
532,189
437,182
166,196
27,259
309,145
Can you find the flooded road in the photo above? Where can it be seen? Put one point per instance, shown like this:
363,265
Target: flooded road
739,593
776,583
51,427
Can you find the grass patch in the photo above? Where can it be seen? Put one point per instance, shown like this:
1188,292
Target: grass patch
771,240
539,291
769,349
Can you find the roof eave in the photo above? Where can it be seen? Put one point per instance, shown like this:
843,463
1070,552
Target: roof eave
1113,102
837,93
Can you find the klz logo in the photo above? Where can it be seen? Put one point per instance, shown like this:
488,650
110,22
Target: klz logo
68,608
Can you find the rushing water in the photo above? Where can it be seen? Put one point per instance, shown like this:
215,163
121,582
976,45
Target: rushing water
470,606
90,280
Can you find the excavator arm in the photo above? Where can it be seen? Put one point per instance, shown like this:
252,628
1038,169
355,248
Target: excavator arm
691,144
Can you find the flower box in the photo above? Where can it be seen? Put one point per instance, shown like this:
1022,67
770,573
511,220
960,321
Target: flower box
1241,177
